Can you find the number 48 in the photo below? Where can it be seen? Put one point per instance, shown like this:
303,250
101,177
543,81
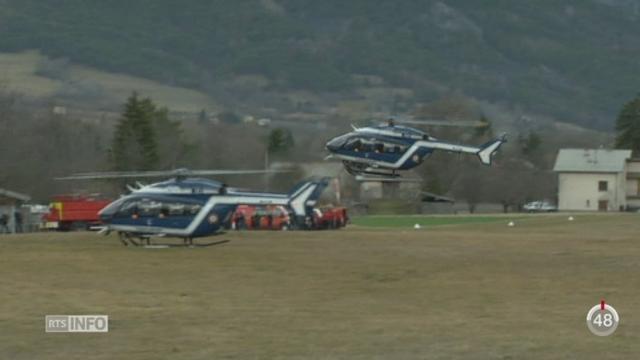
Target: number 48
606,320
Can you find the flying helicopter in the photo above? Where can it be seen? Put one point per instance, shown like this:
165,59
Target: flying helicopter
188,206
383,151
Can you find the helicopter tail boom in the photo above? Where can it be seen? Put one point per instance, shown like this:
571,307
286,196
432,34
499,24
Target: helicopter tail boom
484,152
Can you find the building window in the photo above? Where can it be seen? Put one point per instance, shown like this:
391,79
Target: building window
602,185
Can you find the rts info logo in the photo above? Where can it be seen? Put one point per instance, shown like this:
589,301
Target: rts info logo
77,323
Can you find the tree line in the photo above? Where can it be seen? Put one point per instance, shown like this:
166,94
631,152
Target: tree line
39,145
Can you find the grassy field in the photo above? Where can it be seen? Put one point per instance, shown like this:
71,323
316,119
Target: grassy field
478,290
393,221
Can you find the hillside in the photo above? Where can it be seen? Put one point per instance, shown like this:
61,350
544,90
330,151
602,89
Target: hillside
27,73
575,61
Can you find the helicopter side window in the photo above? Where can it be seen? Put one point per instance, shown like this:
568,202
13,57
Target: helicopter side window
192,209
181,209
149,208
367,146
391,148
164,212
128,209
176,209
153,208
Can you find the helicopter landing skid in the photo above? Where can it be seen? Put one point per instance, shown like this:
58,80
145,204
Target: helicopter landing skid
193,245
128,239
364,169
381,175
355,168
388,179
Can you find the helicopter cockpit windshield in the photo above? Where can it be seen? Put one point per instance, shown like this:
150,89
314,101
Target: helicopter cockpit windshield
338,142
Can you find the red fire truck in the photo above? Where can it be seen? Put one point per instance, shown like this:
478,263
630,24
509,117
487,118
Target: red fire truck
74,212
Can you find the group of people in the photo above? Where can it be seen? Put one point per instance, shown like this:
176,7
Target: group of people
4,222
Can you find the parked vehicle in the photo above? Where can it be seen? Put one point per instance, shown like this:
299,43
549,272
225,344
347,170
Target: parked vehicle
74,212
539,206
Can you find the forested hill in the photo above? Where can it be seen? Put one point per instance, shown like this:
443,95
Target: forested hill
577,60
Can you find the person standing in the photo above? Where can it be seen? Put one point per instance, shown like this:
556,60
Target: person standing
4,220
17,217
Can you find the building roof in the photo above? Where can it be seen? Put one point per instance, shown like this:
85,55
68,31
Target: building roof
14,195
591,160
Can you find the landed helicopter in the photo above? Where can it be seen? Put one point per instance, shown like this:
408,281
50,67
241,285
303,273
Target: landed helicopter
382,151
187,206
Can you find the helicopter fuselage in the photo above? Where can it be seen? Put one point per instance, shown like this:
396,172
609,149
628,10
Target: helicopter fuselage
384,150
190,208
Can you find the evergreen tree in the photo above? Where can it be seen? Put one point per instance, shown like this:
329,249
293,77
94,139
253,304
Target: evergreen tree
173,149
134,145
628,126
280,141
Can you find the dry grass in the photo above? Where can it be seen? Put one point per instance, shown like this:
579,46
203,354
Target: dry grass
480,291
18,73
121,86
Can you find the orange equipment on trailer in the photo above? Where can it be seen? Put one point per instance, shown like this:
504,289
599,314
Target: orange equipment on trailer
330,217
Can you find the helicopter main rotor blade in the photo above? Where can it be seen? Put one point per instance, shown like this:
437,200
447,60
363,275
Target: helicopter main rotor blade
116,175
386,179
233,172
161,173
453,123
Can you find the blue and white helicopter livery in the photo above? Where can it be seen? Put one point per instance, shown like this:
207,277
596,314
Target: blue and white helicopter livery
384,150
190,207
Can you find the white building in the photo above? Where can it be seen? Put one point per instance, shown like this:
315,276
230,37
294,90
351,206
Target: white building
597,180
9,204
